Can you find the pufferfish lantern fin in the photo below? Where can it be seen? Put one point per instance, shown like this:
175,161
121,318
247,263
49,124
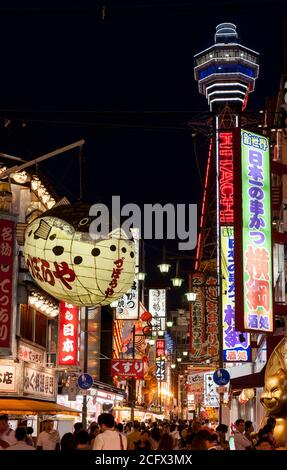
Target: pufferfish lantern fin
43,230
118,233
278,359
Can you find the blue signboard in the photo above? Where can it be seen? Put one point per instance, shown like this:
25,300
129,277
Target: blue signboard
85,381
221,377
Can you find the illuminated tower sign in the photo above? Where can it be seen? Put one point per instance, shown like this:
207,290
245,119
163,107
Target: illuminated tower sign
226,74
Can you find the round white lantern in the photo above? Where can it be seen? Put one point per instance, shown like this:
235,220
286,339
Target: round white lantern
68,264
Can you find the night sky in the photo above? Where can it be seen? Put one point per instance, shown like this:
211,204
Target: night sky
124,84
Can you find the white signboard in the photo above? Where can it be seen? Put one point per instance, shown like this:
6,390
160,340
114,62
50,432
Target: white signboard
31,354
8,379
157,308
211,397
128,305
39,382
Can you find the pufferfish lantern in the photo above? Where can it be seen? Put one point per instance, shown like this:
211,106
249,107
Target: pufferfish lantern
67,263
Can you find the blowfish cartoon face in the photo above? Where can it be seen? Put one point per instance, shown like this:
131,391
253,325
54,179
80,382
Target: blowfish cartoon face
68,264
274,397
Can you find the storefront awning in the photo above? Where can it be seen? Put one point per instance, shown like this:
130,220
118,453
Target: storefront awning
248,381
23,406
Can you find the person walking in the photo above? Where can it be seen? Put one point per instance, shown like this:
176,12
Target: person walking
7,435
240,441
21,444
109,439
49,439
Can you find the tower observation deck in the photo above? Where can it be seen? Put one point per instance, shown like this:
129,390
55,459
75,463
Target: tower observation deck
226,72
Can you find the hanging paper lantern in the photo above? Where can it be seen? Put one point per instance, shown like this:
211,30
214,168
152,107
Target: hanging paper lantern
246,395
68,264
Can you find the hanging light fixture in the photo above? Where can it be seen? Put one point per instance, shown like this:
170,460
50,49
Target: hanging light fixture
141,276
169,324
191,296
179,359
173,366
161,333
164,266
185,353
177,281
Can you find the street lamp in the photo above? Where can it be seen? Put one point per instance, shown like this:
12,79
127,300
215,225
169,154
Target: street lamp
177,281
164,266
191,296
141,276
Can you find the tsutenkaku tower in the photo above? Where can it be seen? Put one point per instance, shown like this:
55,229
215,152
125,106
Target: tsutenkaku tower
226,73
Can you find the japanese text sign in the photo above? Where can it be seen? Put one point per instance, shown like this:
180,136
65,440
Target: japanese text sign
128,368
8,379
226,189
234,350
211,397
39,382
157,307
254,245
160,371
160,347
68,335
6,281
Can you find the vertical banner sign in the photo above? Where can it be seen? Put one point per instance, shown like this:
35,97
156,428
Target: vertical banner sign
160,348
6,283
233,349
254,305
226,190
68,335
157,308
160,371
128,305
211,397
197,316
211,308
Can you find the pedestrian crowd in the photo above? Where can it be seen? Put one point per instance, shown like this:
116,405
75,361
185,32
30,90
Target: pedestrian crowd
106,434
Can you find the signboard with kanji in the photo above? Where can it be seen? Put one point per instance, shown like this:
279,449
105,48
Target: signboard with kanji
127,368
160,347
160,370
157,307
211,397
9,379
68,335
31,353
128,305
6,283
39,382
253,245
234,350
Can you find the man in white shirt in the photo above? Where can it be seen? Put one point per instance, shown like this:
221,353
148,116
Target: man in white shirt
7,435
109,439
240,441
20,435
50,438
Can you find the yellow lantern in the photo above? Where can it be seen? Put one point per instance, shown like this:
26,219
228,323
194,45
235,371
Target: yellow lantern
68,264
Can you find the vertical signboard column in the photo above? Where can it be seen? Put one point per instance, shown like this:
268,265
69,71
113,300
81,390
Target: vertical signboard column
253,253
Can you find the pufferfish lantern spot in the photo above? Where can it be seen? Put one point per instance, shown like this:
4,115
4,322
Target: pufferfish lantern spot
68,264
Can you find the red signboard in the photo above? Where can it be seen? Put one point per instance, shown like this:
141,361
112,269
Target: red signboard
160,347
128,368
68,335
6,281
226,189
